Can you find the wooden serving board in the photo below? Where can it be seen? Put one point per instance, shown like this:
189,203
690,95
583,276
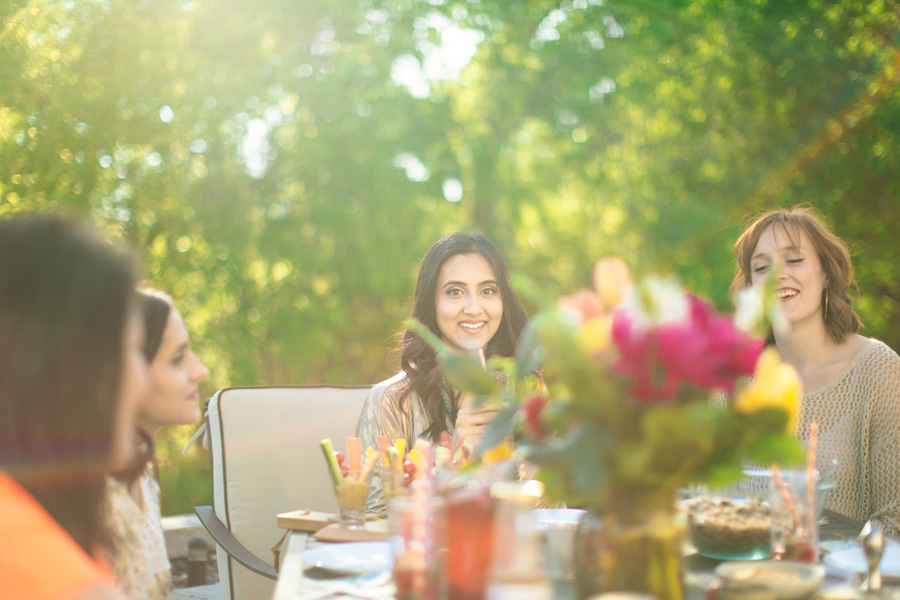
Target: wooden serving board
374,531
305,520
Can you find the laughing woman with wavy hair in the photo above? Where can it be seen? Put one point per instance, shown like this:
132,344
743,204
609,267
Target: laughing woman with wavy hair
851,383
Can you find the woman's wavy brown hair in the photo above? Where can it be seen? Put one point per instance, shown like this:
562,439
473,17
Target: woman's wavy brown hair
419,360
840,318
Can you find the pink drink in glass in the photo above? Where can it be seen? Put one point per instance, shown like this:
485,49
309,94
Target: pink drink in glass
468,536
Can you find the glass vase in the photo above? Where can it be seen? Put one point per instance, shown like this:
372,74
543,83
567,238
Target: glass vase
632,544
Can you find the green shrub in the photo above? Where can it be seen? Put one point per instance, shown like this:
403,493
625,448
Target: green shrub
185,480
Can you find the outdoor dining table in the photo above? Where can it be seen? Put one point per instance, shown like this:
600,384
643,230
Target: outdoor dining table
699,570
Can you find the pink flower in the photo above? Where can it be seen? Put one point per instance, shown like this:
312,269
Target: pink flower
532,406
583,305
635,351
706,351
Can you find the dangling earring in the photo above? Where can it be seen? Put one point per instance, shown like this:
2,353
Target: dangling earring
826,304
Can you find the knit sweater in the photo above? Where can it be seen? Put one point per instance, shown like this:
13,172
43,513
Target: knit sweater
858,413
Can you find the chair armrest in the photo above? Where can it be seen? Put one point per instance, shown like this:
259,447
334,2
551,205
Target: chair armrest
230,544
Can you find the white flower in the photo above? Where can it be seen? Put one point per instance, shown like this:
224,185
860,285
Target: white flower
749,311
657,301
756,307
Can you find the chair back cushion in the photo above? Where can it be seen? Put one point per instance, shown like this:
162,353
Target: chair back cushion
266,459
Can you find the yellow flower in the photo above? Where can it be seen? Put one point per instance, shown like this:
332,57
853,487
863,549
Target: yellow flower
776,386
612,280
594,336
499,453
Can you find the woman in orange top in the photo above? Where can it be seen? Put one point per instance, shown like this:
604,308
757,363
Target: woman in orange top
71,375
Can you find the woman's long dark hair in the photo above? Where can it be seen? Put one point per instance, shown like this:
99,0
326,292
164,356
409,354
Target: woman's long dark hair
419,360
65,298
155,307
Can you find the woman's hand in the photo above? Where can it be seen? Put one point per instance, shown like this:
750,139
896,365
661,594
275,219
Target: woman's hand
471,423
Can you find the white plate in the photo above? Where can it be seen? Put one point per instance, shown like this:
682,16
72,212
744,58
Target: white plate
352,557
854,561
787,580
545,517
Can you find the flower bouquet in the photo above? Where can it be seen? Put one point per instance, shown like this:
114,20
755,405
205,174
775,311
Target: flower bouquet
645,392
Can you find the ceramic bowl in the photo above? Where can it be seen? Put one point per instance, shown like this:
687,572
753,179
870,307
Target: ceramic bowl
729,527
735,523
787,580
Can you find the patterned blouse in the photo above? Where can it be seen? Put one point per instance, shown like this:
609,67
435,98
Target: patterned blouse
858,413
382,414
141,563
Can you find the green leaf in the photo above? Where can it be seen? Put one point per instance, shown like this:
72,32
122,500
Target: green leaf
781,449
529,354
573,467
528,289
462,371
432,340
584,449
466,373
555,484
725,472
503,364
769,419
499,428
684,430
633,463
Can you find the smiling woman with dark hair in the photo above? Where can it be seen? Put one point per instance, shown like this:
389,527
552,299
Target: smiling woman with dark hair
464,296
851,383
71,375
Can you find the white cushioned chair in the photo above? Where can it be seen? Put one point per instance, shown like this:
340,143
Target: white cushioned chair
265,457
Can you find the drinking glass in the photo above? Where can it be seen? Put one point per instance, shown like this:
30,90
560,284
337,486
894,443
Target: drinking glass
557,533
468,540
351,495
413,544
795,528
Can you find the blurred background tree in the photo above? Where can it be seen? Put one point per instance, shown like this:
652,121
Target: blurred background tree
283,165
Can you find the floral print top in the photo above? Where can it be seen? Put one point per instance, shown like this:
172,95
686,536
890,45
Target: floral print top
141,562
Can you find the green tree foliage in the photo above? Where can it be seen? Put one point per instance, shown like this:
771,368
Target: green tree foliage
282,183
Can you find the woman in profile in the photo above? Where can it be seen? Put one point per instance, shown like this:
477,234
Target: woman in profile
140,562
71,375
464,296
851,383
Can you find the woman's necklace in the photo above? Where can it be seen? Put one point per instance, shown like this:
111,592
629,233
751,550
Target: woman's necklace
446,402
